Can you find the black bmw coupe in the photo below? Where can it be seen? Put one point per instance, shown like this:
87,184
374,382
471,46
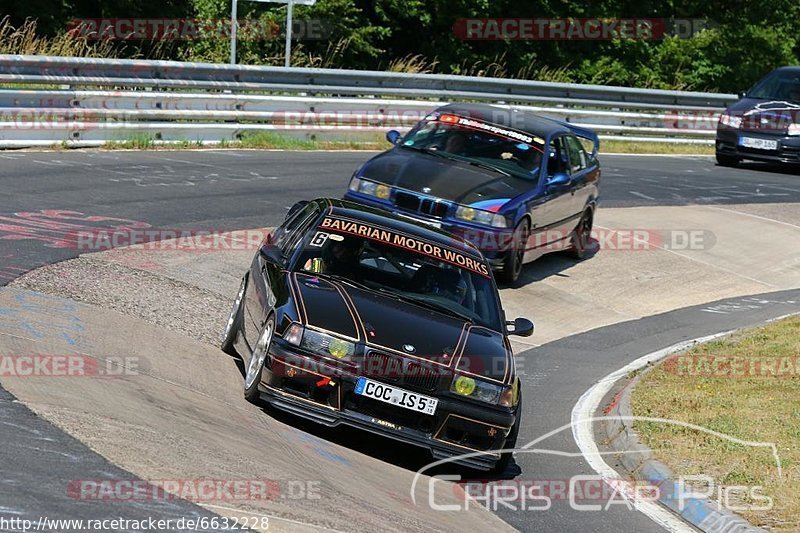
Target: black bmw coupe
349,315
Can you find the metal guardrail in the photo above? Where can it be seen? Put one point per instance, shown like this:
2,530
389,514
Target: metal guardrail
86,102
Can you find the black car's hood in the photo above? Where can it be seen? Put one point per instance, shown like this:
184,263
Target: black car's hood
768,116
447,179
383,322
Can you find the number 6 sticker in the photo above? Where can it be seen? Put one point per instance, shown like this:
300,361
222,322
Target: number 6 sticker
319,239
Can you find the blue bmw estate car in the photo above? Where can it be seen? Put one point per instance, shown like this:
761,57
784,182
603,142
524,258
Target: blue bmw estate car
515,184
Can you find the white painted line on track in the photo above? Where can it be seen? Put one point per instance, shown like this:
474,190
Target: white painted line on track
751,215
640,195
583,416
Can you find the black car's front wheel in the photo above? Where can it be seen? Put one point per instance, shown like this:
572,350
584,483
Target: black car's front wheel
234,322
256,365
512,264
727,160
510,443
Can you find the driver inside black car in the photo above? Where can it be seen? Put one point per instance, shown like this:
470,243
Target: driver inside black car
341,257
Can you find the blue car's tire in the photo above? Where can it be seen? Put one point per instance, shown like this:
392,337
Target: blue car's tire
513,261
581,238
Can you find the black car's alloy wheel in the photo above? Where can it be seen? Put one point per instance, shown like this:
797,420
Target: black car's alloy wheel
256,365
234,321
510,443
581,236
512,264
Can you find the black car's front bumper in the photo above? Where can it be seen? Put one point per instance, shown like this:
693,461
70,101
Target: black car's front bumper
312,389
728,145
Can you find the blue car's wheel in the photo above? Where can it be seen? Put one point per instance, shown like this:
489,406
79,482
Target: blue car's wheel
582,236
512,264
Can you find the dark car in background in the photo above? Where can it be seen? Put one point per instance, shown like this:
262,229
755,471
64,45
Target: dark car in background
515,184
764,125
349,315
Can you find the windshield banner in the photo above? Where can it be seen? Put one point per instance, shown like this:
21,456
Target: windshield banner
408,242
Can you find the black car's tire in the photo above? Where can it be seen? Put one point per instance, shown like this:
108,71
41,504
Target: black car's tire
727,160
512,264
581,236
234,323
256,364
505,460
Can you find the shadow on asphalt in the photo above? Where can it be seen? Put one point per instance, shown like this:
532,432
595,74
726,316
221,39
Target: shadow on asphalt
792,170
552,264
399,454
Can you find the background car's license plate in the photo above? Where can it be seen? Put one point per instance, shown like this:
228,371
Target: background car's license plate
396,396
760,144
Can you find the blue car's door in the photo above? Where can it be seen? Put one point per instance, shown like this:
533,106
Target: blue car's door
557,214
583,173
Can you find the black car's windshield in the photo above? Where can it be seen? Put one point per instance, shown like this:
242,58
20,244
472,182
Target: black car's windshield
403,267
778,85
506,150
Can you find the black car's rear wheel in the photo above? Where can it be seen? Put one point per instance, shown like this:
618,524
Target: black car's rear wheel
581,236
512,264
727,160
234,322
256,365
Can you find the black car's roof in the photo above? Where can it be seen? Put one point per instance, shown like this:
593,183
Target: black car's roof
509,117
386,219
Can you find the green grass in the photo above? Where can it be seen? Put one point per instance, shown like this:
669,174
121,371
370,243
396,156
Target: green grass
625,147
276,141
761,408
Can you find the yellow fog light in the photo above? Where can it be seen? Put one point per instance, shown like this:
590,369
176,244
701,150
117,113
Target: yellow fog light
382,191
463,385
339,348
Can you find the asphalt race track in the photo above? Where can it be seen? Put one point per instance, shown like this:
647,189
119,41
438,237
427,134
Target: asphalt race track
227,190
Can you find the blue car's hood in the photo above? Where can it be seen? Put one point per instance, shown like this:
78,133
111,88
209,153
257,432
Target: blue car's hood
450,180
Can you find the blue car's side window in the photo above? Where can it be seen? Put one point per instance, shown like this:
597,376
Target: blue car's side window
578,160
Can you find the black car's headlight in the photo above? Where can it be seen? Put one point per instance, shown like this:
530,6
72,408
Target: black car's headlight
378,190
490,393
794,129
464,212
732,121
319,343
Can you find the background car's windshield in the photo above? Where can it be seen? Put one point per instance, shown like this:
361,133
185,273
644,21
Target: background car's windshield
411,275
781,85
460,142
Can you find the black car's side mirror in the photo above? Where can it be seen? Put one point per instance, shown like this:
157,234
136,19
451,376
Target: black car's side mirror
522,327
271,254
559,179
393,136
742,94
